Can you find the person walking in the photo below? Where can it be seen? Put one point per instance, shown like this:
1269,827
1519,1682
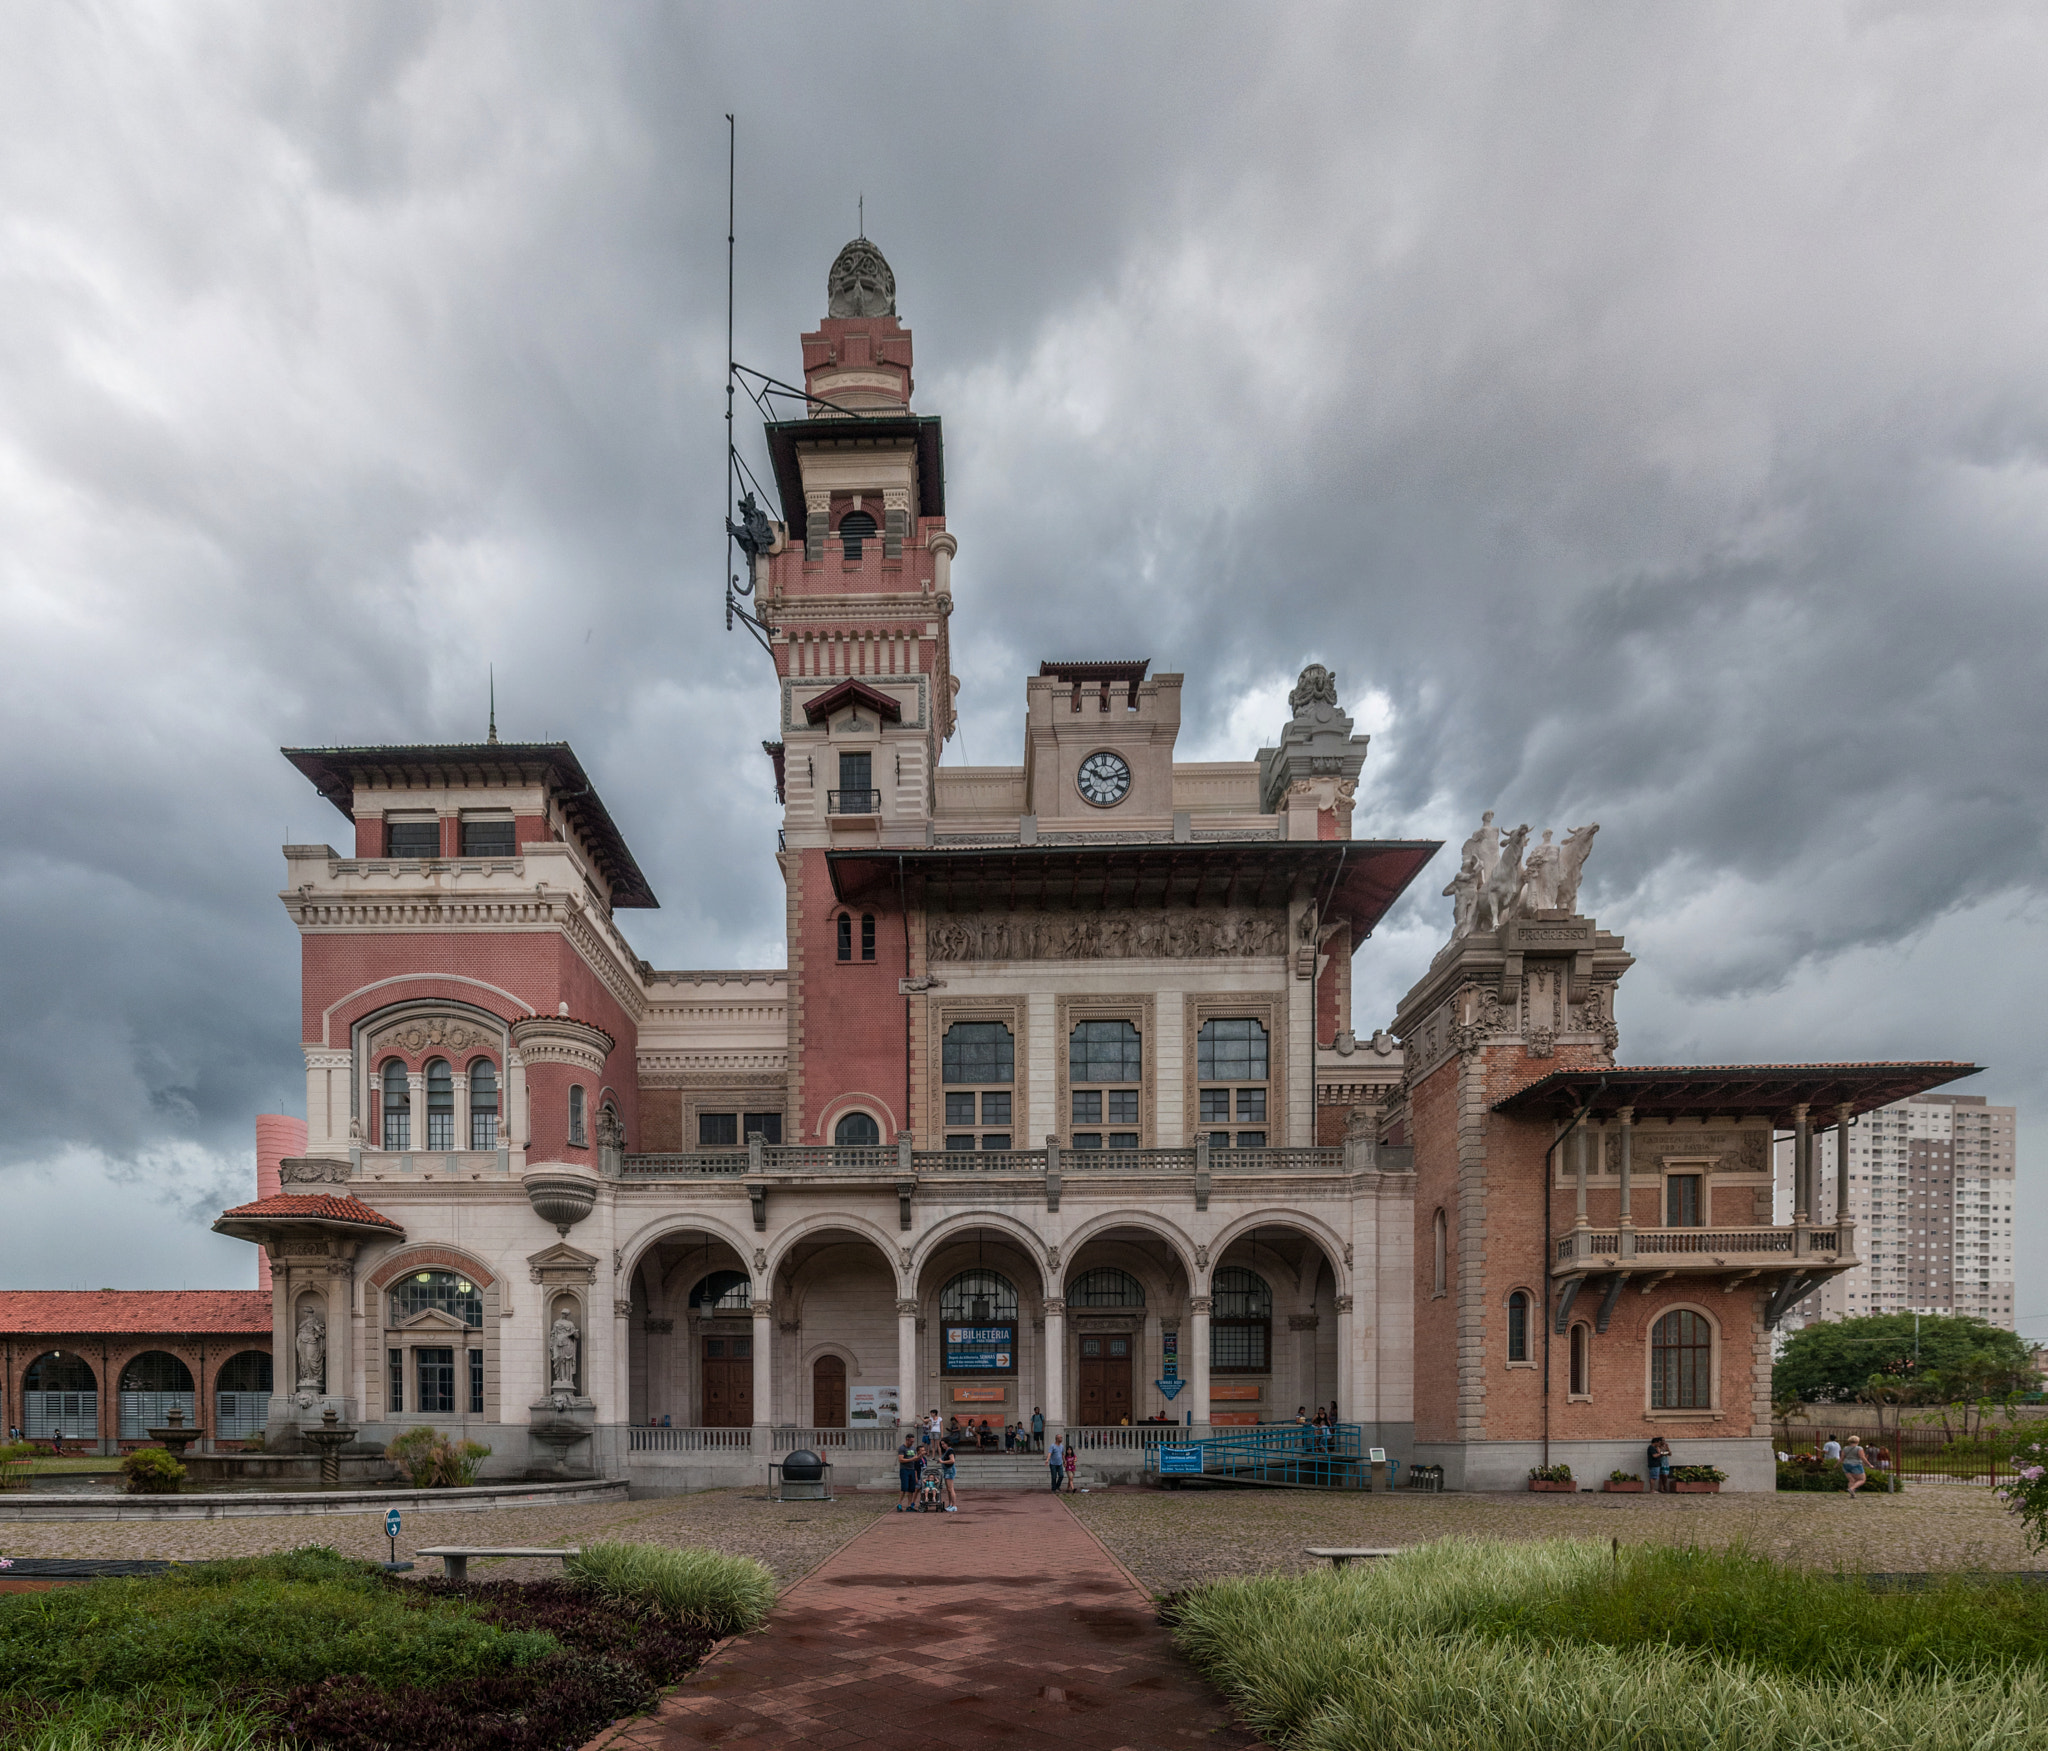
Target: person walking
906,1473
1073,1464
1038,1428
1855,1466
1055,1460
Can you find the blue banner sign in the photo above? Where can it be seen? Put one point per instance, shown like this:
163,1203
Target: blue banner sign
1180,1459
1170,1353
1170,1389
981,1349
391,1524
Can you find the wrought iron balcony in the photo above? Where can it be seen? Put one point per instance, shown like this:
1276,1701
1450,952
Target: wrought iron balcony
853,802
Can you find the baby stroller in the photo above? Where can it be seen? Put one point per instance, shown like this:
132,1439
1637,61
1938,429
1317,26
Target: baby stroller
929,1480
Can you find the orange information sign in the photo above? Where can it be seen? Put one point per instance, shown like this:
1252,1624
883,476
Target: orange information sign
1236,1391
1231,1419
980,1395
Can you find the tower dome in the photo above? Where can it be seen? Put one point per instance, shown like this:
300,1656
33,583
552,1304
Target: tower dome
860,283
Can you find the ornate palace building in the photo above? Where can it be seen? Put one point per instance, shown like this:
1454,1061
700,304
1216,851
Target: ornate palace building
1055,1105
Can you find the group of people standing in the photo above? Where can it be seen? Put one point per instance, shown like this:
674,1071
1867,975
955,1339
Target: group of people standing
1062,1461
926,1470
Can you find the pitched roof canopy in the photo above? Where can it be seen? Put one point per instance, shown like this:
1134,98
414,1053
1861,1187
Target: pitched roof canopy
553,766
310,1209
1693,1091
817,710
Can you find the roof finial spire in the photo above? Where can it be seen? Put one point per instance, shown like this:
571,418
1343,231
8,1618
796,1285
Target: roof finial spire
493,738
863,213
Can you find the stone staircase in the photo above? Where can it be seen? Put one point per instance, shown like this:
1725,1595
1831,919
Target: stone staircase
975,1471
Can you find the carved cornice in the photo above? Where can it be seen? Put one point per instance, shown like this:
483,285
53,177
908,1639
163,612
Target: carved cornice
559,1039
1180,935
296,1170
425,1031
663,1069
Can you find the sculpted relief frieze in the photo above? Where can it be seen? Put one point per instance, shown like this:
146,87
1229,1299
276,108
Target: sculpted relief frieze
1105,937
418,1033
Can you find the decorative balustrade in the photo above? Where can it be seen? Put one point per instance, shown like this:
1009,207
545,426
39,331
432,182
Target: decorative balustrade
1134,1438
830,1441
689,1440
886,1163
1755,1248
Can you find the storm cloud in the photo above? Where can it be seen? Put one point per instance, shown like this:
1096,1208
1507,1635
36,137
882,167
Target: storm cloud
1644,411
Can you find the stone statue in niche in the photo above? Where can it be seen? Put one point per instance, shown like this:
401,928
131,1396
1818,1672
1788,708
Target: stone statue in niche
860,283
562,1343
311,1343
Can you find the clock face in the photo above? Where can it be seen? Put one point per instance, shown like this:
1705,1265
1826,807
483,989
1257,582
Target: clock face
1104,779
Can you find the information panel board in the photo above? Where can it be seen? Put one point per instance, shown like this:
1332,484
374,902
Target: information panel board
981,1349
1180,1459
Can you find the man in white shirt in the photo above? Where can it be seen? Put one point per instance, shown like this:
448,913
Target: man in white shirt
1831,1449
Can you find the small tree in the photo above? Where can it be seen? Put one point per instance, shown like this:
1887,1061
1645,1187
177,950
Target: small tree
2027,1494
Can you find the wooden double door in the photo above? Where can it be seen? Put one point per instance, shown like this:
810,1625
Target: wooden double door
1105,1382
828,1393
727,1372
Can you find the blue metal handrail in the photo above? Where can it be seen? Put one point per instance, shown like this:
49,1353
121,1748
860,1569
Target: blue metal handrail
1303,1456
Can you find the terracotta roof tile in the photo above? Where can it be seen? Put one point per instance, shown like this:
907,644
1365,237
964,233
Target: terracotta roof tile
316,1207
134,1310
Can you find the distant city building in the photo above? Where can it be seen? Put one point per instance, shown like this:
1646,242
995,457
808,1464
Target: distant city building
1931,1192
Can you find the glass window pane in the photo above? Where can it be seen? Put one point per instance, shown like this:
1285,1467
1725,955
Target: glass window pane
1219,1139
1251,1139
1087,1139
1123,1139
1231,1049
1251,1103
446,1290
856,772
1123,1106
960,1140
487,839
1241,1294
978,1295
1237,1348
978,1051
412,839
996,1140
1105,1287
476,1382
1087,1106
1215,1105
995,1109
436,1380
1105,1051
959,1109
766,1126
718,1130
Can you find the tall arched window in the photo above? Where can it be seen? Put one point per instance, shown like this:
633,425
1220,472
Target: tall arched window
855,528
1439,1249
1099,1053
440,1104
60,1397
413,1294
1581,1362
857,1131
397,1107
1518,1326
1682,1362
979,1296
152,1384
483,1105
241,1395
977,1054
1231,1050
579,1116
1240,1323
846,936
724,1292
978,1324
1105,1286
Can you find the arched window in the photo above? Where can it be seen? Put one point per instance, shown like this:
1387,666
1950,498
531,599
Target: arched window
1682,1362
1105,1286
151,1385
1105,1052
1240,1323
241,1395
1439,1249
483,1105
60,1398
867,936
978,1053
451,1293
579,1121
397,1107
440,1104
1231,1051
857,1131
1581,1362
846,936
1518,1326
854,528
979,1296
724,1292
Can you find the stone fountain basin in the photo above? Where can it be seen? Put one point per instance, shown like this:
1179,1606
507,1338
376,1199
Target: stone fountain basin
559,1434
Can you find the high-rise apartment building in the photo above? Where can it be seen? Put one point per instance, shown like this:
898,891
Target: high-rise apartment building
1931,1192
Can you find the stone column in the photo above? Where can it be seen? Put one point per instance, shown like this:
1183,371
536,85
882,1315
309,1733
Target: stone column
1843,1115
1579,1145
764,1377
906,1360
1197,1358
1348,1406
1055,1364
461,1080
416,1118
1627,1118
1802,1166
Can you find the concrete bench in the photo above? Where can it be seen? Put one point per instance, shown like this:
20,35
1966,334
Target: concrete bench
455,1557
1339,1555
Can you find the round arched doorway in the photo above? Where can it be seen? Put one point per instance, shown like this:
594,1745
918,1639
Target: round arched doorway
828,1392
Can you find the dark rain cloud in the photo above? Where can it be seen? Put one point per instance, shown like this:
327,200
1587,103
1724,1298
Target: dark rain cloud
1643,412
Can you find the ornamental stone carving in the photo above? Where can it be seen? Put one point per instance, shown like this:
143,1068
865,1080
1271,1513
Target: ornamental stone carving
860,282
310,1341
422,1033
622,1308
1496,883
1343,1303
906,1308
563,1341
557,1039
310,1171
1173,935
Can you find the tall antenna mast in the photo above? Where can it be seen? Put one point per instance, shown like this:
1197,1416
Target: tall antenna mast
747,534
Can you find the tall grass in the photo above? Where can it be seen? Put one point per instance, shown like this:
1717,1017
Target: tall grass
698,1588
1468,1646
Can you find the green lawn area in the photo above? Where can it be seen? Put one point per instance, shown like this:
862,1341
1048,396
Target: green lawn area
320,1650
74,1462
1469,1645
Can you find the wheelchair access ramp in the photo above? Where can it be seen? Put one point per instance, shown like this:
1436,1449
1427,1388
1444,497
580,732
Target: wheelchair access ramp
1271,1455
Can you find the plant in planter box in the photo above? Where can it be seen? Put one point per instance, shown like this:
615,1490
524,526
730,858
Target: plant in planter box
1551,1477
1697,1479
1620,1483
152,1472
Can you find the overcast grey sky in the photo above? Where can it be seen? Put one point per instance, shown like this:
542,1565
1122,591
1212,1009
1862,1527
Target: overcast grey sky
1644,410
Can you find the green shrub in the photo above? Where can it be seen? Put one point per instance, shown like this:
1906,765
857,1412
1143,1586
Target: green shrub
1698,1474
1829,1475
1464,1645
432,1462
699,1588
18,1450
1623,1477
1559,1473
151,1471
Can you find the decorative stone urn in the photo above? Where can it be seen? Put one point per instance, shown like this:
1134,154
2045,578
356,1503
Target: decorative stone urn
561,1193
330,1438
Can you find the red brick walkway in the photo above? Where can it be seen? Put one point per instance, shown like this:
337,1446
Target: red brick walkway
882,1646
